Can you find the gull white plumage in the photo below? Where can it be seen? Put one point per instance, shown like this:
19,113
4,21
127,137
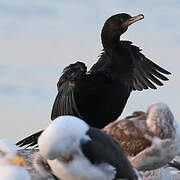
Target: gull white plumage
11,165
76,151
150,139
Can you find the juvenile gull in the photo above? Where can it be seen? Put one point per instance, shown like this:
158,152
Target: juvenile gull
150,139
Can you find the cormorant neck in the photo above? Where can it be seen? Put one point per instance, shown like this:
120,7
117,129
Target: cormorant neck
110,40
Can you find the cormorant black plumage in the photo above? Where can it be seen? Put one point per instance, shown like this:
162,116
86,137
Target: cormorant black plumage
100,95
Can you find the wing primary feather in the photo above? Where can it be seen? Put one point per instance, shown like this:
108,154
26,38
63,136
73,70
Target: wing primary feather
150,84
149,71
158,68
143,76
30,140
147,75
155,80
159,75
140,76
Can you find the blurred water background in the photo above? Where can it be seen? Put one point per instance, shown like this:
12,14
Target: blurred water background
38,38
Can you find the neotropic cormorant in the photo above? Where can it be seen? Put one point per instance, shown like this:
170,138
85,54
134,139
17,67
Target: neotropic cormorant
100,95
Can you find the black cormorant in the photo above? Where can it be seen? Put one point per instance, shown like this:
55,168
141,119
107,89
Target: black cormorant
100,95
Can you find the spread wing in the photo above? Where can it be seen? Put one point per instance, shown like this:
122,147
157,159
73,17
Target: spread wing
145,73
129,133
68,86
65,103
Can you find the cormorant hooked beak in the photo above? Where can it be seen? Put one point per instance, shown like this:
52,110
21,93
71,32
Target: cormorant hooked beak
132,20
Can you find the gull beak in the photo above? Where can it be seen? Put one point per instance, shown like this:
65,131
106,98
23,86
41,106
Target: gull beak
132,20
18,161
66,158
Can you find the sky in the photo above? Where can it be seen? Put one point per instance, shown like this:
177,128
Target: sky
38,38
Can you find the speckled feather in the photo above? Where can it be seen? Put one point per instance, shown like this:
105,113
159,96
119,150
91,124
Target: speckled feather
150,139
129,133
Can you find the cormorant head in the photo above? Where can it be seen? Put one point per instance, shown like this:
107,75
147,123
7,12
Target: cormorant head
117,25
